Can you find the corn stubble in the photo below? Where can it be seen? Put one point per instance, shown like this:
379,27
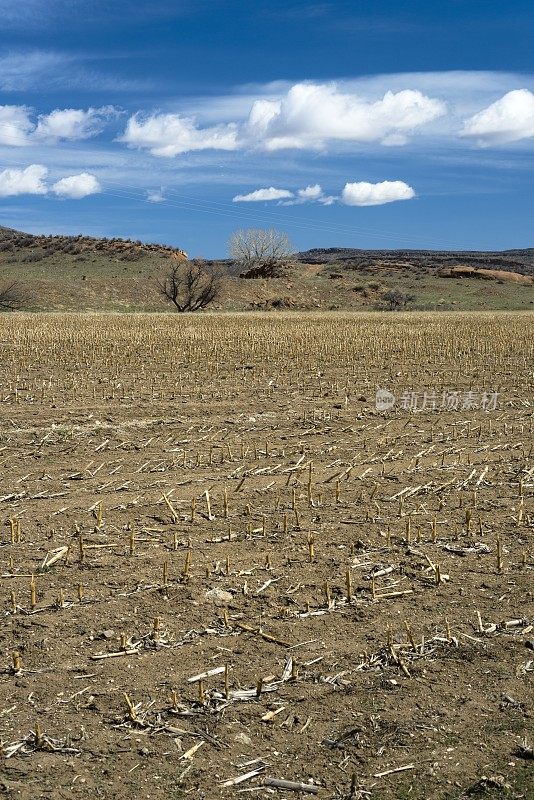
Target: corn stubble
214,545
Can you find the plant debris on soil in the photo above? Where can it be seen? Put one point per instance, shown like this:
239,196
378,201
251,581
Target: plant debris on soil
224,572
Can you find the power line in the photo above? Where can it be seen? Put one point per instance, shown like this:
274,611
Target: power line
201,205
249,217
278,217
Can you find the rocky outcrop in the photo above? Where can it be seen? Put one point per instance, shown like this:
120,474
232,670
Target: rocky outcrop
486,274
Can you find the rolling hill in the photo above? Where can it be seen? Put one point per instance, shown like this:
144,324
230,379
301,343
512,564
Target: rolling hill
80,273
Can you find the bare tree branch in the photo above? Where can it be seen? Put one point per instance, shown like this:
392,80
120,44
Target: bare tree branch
395,300
191,285
12,297
260,253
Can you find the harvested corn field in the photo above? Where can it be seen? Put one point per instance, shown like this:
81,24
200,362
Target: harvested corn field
225,571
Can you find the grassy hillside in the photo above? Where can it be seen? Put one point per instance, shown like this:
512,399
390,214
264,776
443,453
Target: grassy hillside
61,273
82,273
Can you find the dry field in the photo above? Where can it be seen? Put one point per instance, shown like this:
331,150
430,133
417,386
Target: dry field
222,567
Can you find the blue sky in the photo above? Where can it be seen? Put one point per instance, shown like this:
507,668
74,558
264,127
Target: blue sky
353,123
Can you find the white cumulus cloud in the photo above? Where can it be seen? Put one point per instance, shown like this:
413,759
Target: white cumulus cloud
73,123
75,187
354,194
311,194
23,181
304,116
263,194
310,115
363,193
315,194
509,119
171,135
17,128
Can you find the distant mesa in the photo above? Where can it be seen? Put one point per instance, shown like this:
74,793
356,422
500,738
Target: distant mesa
509,261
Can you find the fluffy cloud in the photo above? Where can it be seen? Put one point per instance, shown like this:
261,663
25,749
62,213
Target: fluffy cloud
306,116
375,194
73,123
354,194
15,125
171,134
311,192
75,187
23,181
314,194
311,115
31,180
509,119
18,129
263,194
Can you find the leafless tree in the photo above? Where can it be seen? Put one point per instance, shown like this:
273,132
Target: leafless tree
12,297
191,285
395,300
260,253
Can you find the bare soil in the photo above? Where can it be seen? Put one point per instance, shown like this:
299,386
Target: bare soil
412,678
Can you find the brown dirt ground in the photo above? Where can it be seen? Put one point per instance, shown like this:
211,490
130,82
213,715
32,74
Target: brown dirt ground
117,411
